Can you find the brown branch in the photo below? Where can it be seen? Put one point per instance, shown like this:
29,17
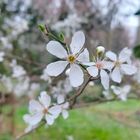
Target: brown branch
73,99
26,133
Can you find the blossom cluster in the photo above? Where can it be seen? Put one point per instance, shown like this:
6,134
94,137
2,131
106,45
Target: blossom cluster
118,92
75,62
75,57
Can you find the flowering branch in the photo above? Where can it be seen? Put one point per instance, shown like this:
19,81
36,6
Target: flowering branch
76,58
71,99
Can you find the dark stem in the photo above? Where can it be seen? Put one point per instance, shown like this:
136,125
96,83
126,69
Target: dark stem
73,99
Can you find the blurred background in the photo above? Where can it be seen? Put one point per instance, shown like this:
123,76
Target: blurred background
113,24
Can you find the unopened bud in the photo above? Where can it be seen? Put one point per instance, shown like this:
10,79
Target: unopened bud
100,50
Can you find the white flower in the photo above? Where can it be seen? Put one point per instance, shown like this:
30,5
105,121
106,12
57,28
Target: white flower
2,54
21,87
64,110
107,94
34,88
40,109
121,64
73,57
99,68
18,70
121,92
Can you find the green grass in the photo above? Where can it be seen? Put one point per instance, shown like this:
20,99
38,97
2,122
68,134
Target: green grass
107,121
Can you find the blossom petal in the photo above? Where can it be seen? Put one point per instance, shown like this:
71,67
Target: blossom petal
56,68
30,128
76,75
93,71
84,56
116,89
128,69
55,111
88,63
45,99
60,98
125,55
126,88
116,75
50,119
66,105
56,49
65,114
104,79
111,55
33,119
77,42
108,65
34,106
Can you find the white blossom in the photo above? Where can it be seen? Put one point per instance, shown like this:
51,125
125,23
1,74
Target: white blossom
21,87
72,58
121,92
42,109
107,94
17,70
121,64
33,89
99,68
64,110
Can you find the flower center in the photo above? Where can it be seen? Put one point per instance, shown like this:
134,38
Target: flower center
45,111
71,58
117,63
99,65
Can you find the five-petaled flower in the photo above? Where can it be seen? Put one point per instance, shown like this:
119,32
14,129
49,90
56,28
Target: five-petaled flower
121,92
40,109
121,64
73,56
100,68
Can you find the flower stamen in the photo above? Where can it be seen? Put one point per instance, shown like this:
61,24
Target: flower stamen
71,59
117,63
45,111
99,65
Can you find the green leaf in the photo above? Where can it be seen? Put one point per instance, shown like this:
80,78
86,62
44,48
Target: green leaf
42,27
136,51
61,36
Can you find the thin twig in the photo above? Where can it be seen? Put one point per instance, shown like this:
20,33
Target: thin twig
73,99
26,133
